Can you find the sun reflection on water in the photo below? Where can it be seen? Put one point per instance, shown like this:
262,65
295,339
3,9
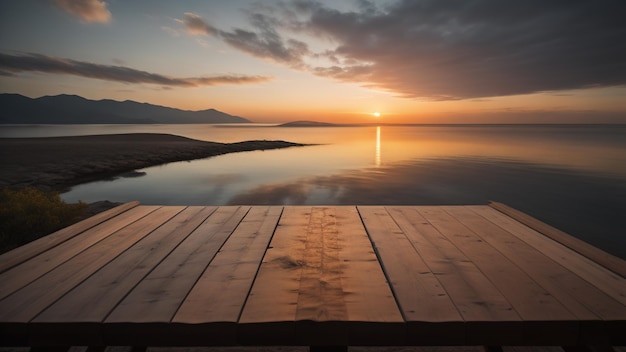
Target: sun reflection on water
377,155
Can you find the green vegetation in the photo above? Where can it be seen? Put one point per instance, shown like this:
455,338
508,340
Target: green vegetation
27,214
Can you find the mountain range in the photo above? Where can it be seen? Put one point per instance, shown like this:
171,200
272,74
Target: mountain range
73,109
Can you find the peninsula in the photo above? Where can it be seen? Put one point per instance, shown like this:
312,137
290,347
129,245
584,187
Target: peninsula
56,163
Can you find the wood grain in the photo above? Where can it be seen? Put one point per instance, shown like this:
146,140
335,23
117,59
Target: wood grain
303,275
493,318
221,291
270,311
157,297
320,295
413,282
517,286
274,295
112,283
609,282
597,255
583,299
551,319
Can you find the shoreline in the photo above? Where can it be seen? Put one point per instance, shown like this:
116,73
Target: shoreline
57,163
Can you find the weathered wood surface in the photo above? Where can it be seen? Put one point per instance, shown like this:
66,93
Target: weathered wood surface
301,275
605,259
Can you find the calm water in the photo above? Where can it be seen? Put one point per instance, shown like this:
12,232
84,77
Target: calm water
572,177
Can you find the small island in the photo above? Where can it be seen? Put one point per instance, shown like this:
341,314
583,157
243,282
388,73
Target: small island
307,124
56,163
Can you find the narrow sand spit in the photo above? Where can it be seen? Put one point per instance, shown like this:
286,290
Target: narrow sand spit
60,162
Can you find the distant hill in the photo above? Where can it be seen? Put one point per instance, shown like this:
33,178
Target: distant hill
72,109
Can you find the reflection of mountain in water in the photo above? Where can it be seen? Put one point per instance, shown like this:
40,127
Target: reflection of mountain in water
587,206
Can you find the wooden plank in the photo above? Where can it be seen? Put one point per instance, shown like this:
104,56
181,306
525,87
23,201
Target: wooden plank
211,310
26,303
157,297
274,295
114,281
366,291
551,321
586,301
221,291
320,295
86,306
613,263
371,307
319,282
413,282
269,312
606,280
516,285
36,247
323,275
30,270
600,312
494,320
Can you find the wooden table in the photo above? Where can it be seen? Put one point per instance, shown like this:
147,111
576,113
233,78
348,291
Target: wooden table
300,275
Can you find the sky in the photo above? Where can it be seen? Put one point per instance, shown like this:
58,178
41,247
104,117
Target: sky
410,61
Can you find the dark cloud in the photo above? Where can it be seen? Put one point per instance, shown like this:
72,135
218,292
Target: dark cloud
196,25
11,64
86,10
466,49
264,42
453,49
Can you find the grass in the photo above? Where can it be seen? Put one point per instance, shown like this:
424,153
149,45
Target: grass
28,213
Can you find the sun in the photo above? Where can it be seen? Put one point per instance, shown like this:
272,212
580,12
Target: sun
376,114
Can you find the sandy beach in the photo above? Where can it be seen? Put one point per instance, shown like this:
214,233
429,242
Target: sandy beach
59,162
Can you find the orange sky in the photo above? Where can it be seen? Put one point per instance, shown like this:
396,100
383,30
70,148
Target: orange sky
412,61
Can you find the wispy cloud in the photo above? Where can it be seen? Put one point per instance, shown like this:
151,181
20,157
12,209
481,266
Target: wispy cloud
86,10
11,64
443,50
266,42
196,25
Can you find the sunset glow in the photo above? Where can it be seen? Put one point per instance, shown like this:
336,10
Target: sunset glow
326,61
384,79
312,174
